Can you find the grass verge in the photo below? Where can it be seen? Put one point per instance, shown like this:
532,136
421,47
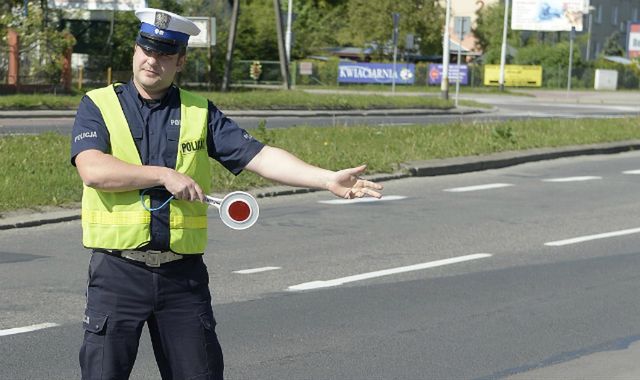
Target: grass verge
301,100
258,99
38,173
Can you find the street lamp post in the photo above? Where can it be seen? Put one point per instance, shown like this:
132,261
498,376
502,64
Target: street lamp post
503,52
572,36
590,23
287,39
444,82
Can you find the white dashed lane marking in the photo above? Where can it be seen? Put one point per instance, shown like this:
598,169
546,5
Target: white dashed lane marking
385,272
488,186
572,179
363,200
631,172
25,329
582,239
256,270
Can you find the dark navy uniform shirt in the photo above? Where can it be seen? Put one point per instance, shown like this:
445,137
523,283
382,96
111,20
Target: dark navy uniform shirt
155,127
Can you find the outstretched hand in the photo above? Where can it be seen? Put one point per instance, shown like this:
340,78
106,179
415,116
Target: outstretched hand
347,184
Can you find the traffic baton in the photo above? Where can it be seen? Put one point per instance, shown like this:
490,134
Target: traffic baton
238,210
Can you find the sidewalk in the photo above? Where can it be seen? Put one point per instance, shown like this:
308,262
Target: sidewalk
457,165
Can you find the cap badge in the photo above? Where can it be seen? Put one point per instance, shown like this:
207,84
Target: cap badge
162,20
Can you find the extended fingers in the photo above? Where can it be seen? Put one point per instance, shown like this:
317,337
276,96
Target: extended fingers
364,188
368,184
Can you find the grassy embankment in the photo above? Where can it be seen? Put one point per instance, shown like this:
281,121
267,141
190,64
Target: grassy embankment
37,171
260,99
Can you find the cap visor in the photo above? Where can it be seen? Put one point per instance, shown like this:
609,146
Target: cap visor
157,46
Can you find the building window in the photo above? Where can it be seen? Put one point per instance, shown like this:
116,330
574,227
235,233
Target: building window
614,16
599,14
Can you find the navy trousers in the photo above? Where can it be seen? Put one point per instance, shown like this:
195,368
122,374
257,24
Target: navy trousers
175,302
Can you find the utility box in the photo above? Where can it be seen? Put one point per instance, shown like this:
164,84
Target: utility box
606,80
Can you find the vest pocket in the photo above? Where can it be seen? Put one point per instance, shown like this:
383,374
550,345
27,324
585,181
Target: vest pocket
92,350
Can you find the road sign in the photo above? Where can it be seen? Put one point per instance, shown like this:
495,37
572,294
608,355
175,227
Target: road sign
207,27
462,26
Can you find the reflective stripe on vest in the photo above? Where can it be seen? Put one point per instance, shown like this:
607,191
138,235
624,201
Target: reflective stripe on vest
117,220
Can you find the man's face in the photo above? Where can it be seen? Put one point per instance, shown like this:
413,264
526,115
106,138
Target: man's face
154,71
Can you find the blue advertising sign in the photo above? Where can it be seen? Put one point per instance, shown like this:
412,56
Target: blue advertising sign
435,74
349,72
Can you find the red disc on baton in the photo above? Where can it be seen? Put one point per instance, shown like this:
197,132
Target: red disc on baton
239,211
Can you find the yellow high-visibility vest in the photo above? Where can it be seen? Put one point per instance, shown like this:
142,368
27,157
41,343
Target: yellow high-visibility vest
118,220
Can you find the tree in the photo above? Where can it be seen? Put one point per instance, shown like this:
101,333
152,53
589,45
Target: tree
370,24
256,35
612,45
42,40
315,26
488,32
548,55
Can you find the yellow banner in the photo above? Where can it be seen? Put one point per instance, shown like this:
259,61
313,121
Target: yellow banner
514,76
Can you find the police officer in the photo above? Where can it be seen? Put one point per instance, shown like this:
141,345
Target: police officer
142,150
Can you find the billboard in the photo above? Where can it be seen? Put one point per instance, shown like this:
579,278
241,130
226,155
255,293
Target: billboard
514,75
435,74
93,5
349,72
633,38
548,15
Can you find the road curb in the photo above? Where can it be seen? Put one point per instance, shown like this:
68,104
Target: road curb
411,169
75,215
459,165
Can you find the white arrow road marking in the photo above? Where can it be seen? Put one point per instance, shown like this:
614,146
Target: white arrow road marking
363,200
571,179
478,187
385,272
19,330
593,237
256,270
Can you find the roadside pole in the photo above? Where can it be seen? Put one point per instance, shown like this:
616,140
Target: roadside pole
396,19
287,40
572,36
233,27
444,81
284,64
503,52
460,24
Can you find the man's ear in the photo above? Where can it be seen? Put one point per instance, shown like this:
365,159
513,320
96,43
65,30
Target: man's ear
182,60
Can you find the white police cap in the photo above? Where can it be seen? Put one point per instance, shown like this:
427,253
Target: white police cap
163,31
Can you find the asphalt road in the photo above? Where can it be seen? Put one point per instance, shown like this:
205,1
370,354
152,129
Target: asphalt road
545,104
470,276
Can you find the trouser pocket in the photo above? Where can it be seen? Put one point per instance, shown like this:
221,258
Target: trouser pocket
214,358
92,350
